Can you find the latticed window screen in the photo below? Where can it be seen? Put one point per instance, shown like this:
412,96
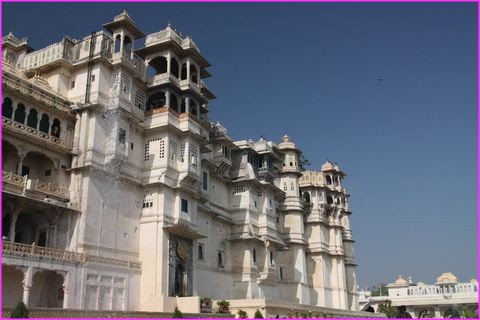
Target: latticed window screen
182,152
140,99
154,146
238,189
147,200
125,83
193,155
172,151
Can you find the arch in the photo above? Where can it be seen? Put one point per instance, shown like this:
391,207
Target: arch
47,289
174,68
12,287
56,128
127,45
118,41
183,73
329,179
7,109
159,64
193,108
44,123
329,200
157,100
173,102
37,164
193,73
20,113
32,119
306,197
10,157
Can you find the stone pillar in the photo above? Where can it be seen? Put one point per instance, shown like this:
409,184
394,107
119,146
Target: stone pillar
188,69
14,215
169,60
121,42
167,96
20,163
187,104
65,289
27,284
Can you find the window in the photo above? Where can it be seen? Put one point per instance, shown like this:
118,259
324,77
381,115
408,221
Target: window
122,134
161,148
205,180
131,145
48,172
254,256
281,273
182,152
291,186
272,261
201,251
184,205
139,99
284,186
125,83
220,259
147,201
92,78
147,151
238,189
193,156
72,84
172,151
329,180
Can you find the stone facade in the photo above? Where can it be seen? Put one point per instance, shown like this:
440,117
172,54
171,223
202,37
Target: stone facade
120,194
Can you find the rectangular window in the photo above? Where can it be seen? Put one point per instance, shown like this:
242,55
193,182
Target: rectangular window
172,152
48,172
182,152
122,135
205,180
92,78
72,84
184,205
201,251
220,259
147,201
193,156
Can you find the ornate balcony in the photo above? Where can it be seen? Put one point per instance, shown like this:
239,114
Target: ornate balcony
20,184
13,249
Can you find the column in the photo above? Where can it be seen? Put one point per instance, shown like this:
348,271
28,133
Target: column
167,94
65,289
121,42
187,104
27,284
20,163
437,312
188,69
14,216
169,59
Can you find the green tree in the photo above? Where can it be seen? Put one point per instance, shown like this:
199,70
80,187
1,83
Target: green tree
242,314
20,311
258,314
469,313
387,309
379,290
177,313
303,163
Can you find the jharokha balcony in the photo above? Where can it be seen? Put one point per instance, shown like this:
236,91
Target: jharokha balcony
33,251
23,185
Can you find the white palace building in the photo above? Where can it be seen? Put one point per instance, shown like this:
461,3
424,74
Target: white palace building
120,194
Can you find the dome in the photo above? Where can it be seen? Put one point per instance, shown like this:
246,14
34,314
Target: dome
327,166
447,277
400,281
287,144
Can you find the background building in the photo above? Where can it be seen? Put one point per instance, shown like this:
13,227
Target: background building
120,194
447,298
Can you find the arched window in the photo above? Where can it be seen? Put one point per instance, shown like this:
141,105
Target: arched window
157,100
118,41
20,113
193,74
193,108
329,180
32,119
7,109
127,45
329,200
159,64
56,128
183,74
44,124
306,197
174,67
174,102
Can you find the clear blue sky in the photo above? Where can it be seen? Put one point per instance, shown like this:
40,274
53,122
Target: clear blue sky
408,143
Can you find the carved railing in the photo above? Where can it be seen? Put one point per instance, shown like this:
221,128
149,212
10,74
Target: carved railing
15,179
19,127
51,188
34,251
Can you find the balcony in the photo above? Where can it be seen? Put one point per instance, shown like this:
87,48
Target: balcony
266,174
190,85
14,249
21,184
162,78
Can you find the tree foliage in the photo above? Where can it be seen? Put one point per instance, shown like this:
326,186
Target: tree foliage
20,311
303,163
258,314
242,314
387,309
177,313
